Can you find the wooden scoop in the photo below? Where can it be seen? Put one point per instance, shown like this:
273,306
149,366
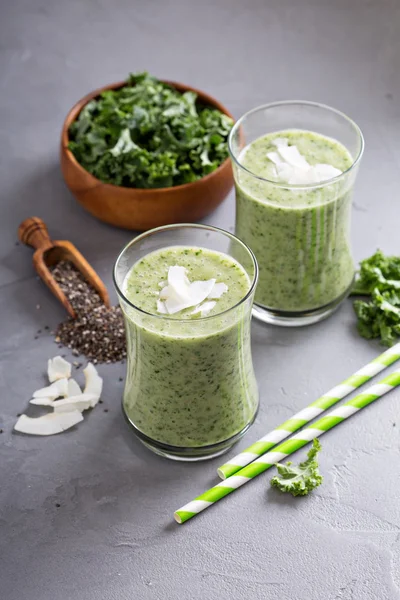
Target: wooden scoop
33,232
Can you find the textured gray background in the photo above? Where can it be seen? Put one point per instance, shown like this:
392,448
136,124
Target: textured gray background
113,536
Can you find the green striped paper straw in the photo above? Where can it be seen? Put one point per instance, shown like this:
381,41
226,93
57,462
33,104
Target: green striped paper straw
306,415
291,445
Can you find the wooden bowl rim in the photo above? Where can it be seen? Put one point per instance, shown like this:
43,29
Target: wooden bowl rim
80,104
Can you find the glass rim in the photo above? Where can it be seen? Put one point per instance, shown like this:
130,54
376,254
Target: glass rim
296,186
172,227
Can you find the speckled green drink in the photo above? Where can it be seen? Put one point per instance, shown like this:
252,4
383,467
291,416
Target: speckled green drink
300,233
190,390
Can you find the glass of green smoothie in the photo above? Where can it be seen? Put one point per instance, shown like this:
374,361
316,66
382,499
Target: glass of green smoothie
295,164
187,292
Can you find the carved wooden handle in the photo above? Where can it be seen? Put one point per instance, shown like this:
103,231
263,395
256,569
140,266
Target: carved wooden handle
33,232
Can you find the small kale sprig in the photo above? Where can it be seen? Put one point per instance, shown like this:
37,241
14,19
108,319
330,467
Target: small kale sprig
379,317
302,479
378,271
149,135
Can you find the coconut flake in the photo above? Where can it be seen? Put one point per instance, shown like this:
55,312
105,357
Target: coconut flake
80,402
180,294
161,308
53,391
324,171
204,308
275,158
73,388
285,172
49,424
177,279
218,290
290,166
176,295
58,368
94,383
201,289
292,156
42,401
173,302
301,177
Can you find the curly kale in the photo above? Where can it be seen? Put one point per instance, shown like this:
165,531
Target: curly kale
302,479
379,317
149,135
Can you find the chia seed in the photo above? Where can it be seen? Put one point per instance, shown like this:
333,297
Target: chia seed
97,332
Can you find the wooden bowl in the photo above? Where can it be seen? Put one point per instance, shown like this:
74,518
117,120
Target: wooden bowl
137,208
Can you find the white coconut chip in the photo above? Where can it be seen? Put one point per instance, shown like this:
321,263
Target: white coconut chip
161,307
173,302
324,171
53,391
58,368
176,295
300,176
80,402
94,383
42,401
292,156
178,281
275,158
49,424
293,168
286,172
199,290
73,388
180,293
204,308
218,290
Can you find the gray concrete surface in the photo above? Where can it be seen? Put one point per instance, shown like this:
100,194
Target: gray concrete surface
87,515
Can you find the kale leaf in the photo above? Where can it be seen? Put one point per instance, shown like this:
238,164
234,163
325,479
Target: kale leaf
379,317
149,135
378,271
302,479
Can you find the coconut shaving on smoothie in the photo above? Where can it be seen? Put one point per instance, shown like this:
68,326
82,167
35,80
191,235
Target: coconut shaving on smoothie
178,293
292,167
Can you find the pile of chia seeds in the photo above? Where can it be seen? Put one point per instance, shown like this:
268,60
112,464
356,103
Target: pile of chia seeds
97,332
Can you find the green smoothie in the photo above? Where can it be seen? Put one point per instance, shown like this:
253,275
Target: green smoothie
299,234
190,380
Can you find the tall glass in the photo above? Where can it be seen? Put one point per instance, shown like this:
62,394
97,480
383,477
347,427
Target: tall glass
190,390
300,234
